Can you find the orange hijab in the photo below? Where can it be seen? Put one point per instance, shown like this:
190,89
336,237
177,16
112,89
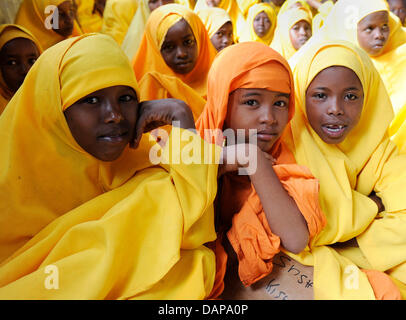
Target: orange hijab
148,57
250,234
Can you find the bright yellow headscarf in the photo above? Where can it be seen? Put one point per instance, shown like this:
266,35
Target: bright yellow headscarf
233,10
281,40
365,161
89,21
9,32
213,19
249,34
149,58
117,18
391,64
31,15
245,5
323,12
124,243
289,4
45,172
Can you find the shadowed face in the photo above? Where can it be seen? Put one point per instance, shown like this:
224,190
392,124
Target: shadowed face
213,3
373,32
179,49
398,7
153,4
66,17
223,37
334,102
16,58
103,122
262,24
265,111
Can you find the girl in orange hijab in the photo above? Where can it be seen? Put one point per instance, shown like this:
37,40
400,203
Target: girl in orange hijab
255,92
174,57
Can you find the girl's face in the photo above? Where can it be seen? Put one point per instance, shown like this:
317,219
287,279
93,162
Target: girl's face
262,24
373,32
179,49
103,122
260,109
223,37
334,101
16,58
66,13
398,7
300,33
153,4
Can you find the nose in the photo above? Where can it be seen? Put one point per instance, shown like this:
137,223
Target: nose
302,31
112,112
335,108
181,53
267,116
378,35
24,68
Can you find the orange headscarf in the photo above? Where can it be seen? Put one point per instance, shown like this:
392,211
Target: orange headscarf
250,234
148,57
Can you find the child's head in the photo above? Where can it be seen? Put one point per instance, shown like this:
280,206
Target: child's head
277,2
398,7
224,36
103,122
334,102
179,48
213,3
66,18
300,33
373,32
153,4
16,58
262,24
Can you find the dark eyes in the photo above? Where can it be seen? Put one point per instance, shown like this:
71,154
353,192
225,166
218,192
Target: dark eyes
255,103
323,96
168,47
14,62
96,100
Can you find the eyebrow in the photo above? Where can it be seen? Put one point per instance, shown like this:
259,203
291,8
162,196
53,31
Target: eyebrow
286,95
346,89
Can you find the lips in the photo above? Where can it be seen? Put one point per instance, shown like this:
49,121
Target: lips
266,135
114,136
334,130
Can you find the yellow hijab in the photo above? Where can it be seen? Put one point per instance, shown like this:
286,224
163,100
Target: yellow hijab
391,64
9,32
44,169
245,5
365,161
117,18
89,21
289,4
213,19
281,40
233,10
31,15
149,58
323,12
249,34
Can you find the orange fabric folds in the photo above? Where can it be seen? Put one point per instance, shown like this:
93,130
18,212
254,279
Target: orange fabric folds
250,235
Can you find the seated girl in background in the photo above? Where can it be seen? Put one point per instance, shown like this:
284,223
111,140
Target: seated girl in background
340,132
89,205
293,30
37,16
277,205
261,23
18,52
219,27
377,31
174,57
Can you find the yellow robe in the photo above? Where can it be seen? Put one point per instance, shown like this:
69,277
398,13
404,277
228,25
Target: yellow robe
99,230
365,161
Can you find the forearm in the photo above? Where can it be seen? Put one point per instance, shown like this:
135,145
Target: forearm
283,215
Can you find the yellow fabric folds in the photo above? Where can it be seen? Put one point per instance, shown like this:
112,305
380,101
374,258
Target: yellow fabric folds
117,18
249,34
9,32
281,40
365,161
149,58
89,21
391,64
245,5
213,19
291,4
233,10
127,243
323,12
31,15
44,170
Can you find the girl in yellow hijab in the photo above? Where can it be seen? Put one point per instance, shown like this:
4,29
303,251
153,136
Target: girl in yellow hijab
387,50
174,57
36,16
361,175
292,31
261,23
232,8
103,232
18,52
219,26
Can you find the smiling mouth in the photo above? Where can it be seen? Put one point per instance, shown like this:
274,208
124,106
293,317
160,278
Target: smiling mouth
334,130
114,137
